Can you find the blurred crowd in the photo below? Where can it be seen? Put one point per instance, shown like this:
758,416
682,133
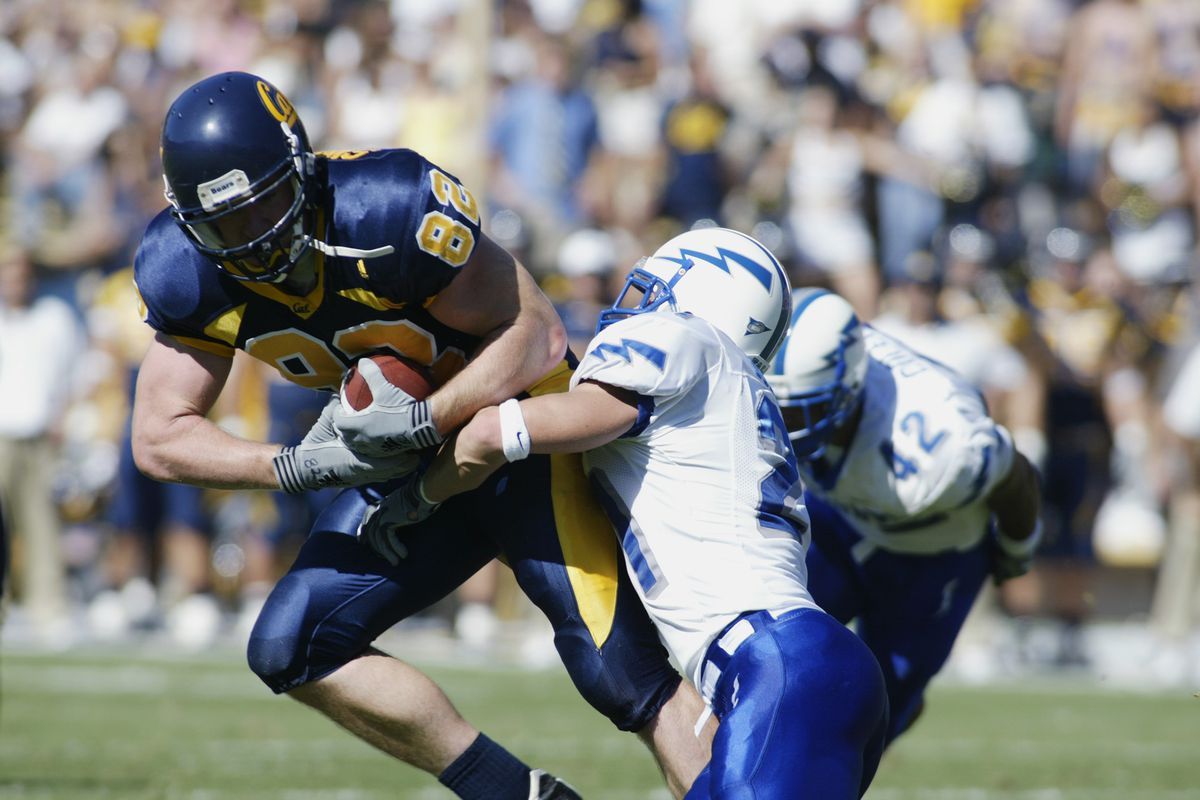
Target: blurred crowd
1012,186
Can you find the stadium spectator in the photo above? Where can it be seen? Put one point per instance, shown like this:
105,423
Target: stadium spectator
40,339
697,168
825,185
545,138
1074,328
624,73
1108,62
156,555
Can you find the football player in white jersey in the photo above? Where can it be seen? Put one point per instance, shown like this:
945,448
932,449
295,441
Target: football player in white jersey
915,494
684,441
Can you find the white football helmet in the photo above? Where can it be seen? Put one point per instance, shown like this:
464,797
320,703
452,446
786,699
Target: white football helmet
819,373
721,276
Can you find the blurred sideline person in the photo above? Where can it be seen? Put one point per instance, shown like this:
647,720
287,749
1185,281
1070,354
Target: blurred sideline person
684,443
914,493
39,340
156,556
1177,595
307,262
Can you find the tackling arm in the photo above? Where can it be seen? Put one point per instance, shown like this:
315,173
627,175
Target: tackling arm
588,416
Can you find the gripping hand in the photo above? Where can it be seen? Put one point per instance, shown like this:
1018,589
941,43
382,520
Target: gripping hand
1012,558
381,525
394,422
322,459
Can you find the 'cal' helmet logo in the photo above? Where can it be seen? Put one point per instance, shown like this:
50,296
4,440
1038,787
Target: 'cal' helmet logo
279,106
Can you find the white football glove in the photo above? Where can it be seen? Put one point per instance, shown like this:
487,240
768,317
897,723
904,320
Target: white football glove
382,525
394,422
322,459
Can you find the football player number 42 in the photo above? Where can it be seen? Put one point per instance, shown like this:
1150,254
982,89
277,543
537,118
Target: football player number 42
442,235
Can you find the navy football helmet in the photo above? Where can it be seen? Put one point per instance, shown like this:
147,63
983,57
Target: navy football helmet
819,373
239,175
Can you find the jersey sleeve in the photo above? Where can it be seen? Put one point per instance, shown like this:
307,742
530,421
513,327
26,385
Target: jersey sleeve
656,355
168,277
978,455
434,220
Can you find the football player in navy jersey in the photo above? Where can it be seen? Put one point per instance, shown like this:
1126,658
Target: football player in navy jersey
309,262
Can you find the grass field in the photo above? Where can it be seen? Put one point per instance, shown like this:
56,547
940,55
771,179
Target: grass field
134,727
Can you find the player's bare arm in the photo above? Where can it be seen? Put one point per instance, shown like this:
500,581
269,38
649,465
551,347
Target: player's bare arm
496,298
172,438
1016,500
590,415
1016,505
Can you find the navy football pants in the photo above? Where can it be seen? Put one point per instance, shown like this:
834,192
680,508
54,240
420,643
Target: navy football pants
540,517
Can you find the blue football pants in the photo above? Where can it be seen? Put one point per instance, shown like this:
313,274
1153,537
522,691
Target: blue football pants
802,710
909,609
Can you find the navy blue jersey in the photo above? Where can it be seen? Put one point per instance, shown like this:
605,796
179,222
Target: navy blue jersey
368,200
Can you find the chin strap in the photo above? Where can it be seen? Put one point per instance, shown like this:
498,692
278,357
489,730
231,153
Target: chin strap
350,252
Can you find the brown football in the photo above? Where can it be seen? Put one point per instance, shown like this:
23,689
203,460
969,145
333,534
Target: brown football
403,373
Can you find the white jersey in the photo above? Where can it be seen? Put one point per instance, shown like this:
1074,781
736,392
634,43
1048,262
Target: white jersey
703,494
925,456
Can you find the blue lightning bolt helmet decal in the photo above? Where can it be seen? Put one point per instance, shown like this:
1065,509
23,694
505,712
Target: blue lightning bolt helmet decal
721,261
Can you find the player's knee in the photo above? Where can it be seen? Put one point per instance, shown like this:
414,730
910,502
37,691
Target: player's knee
277,651
630,695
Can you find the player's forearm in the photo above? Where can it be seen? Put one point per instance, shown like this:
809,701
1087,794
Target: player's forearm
1016,502
467,460
509,361
193,450
589,416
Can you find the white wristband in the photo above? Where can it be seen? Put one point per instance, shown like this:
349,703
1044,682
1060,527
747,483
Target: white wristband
514,436
1018,548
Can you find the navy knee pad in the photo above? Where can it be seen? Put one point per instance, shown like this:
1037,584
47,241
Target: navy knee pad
272,652
629,678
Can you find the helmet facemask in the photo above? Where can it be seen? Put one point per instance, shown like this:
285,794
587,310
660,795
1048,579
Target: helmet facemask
655,292
813,417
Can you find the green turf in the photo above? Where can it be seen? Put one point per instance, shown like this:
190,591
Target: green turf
123,726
